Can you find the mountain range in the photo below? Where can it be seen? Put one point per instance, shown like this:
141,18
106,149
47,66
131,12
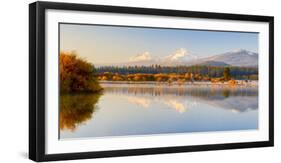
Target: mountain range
240,58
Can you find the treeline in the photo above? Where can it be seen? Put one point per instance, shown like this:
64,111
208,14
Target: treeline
204,71
170,77
108,76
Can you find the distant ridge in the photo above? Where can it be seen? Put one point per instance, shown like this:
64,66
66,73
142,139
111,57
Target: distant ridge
239,58
213,63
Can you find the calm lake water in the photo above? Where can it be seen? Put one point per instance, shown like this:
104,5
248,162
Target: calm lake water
139,109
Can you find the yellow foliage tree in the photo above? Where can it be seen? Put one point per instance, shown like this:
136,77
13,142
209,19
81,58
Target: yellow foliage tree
76,74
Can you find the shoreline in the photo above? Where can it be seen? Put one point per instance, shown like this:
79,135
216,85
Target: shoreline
240,83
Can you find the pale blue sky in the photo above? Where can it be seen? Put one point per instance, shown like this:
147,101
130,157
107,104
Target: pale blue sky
113,44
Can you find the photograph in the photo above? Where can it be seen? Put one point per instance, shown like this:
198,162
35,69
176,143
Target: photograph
112,81
122,81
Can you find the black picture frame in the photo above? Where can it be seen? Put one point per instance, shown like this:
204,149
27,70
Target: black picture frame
37,80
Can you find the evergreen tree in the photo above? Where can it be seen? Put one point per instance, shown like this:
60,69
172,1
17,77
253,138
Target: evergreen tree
226,74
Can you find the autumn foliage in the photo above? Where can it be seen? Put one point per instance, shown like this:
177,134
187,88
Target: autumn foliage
77,75
161,77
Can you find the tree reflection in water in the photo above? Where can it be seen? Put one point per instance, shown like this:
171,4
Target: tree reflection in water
234,99
76,109
209,93
140,109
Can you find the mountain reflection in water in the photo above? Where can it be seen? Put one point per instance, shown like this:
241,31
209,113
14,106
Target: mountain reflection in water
236,99
121,109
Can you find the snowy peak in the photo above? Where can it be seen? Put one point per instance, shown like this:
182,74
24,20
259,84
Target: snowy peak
179,54
179,57
243,51
240,57
141,57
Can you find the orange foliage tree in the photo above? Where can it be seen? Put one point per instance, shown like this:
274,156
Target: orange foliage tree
77,75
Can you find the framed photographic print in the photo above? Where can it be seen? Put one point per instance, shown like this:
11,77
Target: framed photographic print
118,81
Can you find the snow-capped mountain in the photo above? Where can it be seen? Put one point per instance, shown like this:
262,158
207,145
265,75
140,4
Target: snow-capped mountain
240,57
179,57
